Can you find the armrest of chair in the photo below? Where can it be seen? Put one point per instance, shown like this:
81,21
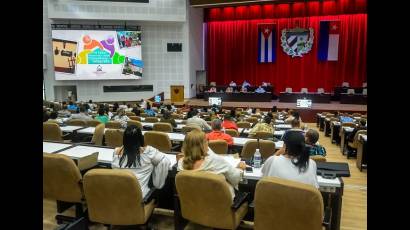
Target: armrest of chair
149,196
327,217
239,199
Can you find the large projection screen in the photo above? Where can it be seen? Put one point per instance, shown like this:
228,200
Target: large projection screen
97,54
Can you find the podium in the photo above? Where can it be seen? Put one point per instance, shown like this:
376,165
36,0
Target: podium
177,93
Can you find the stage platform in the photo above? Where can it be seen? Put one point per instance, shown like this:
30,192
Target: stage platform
308,115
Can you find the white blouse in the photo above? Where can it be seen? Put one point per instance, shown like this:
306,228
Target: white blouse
218,165
152,162
282,167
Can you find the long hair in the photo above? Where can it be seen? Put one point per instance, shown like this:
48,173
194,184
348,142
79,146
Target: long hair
193,148
295,147
133,140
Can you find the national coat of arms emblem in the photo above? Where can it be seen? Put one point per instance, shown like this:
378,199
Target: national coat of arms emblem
296,42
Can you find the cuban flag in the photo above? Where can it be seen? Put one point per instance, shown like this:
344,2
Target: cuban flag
266,43
329,41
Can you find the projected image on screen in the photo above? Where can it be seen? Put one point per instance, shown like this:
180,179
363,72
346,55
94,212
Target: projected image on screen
97,55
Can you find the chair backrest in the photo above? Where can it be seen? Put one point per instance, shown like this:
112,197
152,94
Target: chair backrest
262,135
151,119
288,90
318,158
244,124
209,208
135,118
176,116
348,124
114,137
345,84
364,84
356,137
266,148
158,140
61,178
114,197
239,109
212,83
93,123
257,116
163,127
188,128
350,91
320,90
129,114
364,92
252,120
232,132
113,125
134,122
98,134
143,115
304,90
283,204
77,122
356,114
218,146
52,132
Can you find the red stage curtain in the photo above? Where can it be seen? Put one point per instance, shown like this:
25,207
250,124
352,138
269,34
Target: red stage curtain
232,47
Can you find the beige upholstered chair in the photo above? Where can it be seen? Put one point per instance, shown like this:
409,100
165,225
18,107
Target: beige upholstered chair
244,124
52,132
113,125
262,135
355,142
304,90
163,127
135,118
143,115
129,114
151,119
114,197
356,114
283,204
252,120
158,140
93,123
266,148
114,137
98,135
188,128
212,209
232,132
62,182
175,116
77,122
345,84
134,122
318,158
218,146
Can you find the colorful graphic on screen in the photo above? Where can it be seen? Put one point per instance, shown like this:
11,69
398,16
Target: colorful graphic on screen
96,55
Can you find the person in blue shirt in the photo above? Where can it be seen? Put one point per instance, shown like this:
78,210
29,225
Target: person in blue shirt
149,111
72,106
260,90
245,84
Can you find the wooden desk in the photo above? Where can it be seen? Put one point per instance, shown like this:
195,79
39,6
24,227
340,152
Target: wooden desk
358,99
247,97
362,152
334,132
315,97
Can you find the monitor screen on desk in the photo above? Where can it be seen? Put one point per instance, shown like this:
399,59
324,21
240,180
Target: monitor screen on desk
303,103
215,101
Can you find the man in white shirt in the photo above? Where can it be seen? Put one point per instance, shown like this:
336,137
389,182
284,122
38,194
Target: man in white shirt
260,90
196,120
82,115
232,84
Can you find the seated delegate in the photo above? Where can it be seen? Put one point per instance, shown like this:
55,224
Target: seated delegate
294,164
145,162
198,157
217,134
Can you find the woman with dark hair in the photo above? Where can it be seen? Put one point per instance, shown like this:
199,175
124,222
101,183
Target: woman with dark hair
274,109
142,161
115,107
149,111
168,119
102,117
294,164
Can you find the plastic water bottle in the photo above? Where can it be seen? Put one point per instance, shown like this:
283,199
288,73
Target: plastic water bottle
257,158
